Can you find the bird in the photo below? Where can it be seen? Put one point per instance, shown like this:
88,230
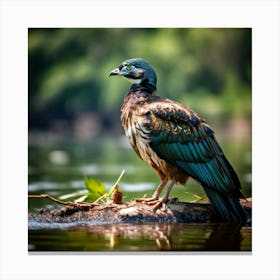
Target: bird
177,143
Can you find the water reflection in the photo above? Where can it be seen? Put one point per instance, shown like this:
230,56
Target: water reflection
143,238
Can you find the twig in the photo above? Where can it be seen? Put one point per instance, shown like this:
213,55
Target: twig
60,201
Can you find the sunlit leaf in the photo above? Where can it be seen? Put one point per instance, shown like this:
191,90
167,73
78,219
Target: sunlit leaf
95,187
94,191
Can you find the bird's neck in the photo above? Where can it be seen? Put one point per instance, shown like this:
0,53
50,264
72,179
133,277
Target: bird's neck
147,87
139,94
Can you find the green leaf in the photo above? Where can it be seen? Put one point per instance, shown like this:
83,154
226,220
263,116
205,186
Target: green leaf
95,188
95,191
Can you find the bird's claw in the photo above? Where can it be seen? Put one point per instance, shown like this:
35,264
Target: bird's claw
148,201
160,204
156,203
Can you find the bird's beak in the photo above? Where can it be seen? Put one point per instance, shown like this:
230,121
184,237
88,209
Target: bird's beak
115,72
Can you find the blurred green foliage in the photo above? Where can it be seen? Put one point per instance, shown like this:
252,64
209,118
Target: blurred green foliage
207,69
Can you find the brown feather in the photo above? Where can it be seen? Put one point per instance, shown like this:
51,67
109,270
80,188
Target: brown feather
133,116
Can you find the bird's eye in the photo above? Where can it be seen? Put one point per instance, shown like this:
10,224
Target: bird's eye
128,67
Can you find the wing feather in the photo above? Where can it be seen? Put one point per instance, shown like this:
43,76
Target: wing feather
179,136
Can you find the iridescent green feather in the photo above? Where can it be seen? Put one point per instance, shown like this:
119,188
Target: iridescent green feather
191,146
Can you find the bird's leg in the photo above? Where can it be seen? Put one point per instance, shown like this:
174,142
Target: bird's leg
159,189
156,194
168,190
164,199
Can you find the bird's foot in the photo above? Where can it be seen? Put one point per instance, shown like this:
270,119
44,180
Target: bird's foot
161,204
148,201
156,203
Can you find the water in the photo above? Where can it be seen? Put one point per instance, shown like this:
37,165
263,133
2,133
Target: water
140,238
59,167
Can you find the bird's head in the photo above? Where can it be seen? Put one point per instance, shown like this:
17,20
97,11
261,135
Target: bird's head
137,71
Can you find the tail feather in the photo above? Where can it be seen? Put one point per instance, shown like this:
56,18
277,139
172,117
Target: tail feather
227,206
